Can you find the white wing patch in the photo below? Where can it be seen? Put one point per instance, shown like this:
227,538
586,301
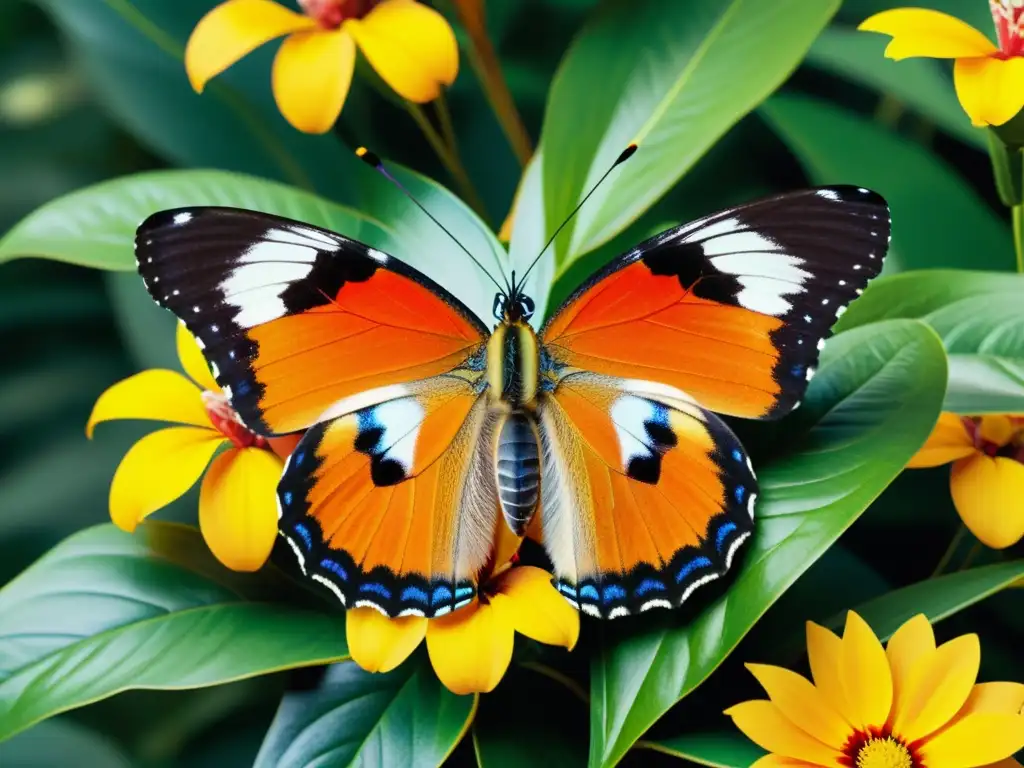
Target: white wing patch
399,422
628,416
266,269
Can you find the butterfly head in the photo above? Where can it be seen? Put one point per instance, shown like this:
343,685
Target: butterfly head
513,307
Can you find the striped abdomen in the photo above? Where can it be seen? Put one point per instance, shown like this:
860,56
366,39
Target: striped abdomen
517,470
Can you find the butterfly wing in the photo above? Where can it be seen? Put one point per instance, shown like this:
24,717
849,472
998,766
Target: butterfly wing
647,495
294,319
732,309
393,505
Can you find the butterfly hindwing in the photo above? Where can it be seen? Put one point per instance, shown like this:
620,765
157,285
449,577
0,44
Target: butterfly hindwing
293,318
392,505
647,496
731,309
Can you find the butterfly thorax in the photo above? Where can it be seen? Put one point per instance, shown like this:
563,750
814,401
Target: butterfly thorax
512,366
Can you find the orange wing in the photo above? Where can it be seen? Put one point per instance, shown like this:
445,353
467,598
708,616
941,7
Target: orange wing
732,309
647,496
393,506
294,319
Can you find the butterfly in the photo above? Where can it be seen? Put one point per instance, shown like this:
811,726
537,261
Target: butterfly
597,432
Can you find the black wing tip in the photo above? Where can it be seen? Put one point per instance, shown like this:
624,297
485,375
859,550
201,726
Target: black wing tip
851,193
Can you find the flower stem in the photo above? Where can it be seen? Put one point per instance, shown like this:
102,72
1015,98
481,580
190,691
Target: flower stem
559,677
1018,234
484,60
950,551
448,157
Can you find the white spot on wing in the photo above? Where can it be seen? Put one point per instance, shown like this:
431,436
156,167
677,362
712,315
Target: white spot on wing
181,218
734,547
738,242
628,416
400,422
656,603
618,612
829,194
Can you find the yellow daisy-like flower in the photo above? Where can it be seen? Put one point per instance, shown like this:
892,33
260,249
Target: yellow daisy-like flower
238,497
411,47
987,480
471,648
989,80
909,705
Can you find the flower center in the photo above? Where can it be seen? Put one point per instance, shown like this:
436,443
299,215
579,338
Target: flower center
331,13
884,753
1013,448
1009,18
226,421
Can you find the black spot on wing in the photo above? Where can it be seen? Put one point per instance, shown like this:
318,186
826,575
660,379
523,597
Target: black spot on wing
325,281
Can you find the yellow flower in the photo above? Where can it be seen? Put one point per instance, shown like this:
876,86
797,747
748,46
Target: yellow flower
910,705
410,46
987,480
470,648
989,80
238,498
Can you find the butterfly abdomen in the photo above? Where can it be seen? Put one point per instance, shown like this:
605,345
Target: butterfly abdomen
517,470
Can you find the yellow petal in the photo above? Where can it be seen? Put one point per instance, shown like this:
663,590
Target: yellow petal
534,607
989,495
864,671
938,688
155,394
157,470
238,507
312,74
911,645
803,704
991,91
998,429
192,360
410,45
975,741
948,441
471,648
1007,698
379,644
232,30
764,724
823,651
924,32
777,761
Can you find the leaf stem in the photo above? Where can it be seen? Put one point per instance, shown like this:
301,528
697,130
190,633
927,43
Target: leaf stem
448,157
950,551
484,60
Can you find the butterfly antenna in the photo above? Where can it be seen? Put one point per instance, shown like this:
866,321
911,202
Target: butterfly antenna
623,157
374,162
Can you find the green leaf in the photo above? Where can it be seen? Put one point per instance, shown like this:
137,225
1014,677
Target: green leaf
917,83
916,294
96,226
132,53
718,750
352,717
61,743
937,220
100,614
870,406
985,384
937,598
671,76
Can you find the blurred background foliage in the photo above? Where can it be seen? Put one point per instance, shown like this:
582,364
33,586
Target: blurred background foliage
94,89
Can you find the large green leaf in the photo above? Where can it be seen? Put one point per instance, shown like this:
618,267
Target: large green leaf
978,316
918,83
937,220
96,226
132,52
870,406
937,598
916,294
671,76
101,613
717,750
352,717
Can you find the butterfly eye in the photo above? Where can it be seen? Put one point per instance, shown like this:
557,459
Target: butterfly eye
526,307
499,306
